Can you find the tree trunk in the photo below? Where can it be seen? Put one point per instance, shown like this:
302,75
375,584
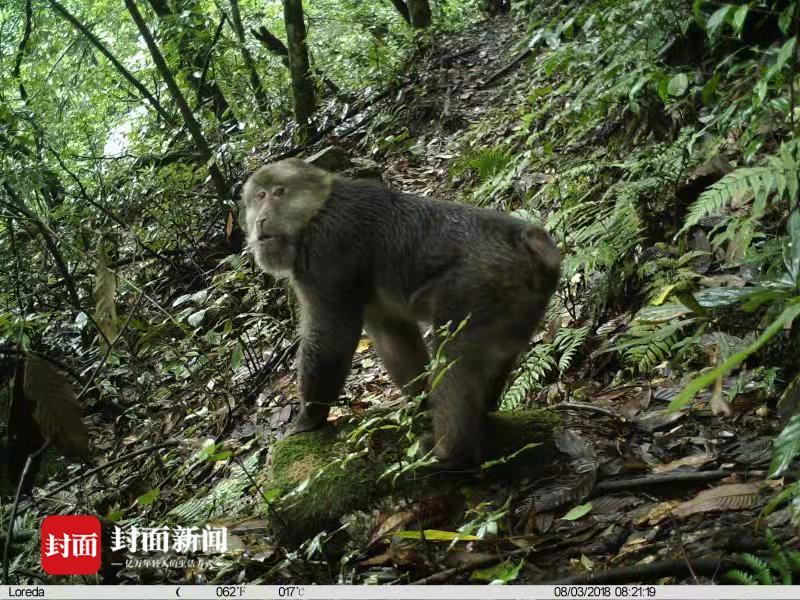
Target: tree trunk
249,63
420,12
302,84
402,8
188,118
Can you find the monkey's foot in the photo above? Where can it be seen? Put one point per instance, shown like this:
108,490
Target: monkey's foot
308,421
449,462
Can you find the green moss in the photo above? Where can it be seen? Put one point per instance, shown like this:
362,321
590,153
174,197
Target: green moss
319,487
333,490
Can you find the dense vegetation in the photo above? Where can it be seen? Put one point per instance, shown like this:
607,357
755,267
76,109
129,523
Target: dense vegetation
656,140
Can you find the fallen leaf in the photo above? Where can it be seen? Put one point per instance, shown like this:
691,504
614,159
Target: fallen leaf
392,522
695,460
736,496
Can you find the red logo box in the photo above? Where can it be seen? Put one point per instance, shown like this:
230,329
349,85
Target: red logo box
71,545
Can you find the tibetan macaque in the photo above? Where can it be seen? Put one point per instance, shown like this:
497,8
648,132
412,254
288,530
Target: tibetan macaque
359,255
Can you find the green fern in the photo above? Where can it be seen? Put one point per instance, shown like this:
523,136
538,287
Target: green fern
740,577
225,498
780,561
670,272
536,365
793,556
759,567
779,177
489,162
568,342
646,344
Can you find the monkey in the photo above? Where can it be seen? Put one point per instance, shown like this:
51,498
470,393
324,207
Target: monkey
361,256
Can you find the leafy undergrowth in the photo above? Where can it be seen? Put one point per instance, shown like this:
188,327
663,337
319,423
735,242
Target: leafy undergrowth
657,143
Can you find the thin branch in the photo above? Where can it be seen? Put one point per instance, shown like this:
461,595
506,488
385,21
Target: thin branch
15,508
647,480
129,77
26,35
18,207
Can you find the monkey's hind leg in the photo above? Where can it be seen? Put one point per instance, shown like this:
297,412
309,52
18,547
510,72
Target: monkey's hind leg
400,346
462,395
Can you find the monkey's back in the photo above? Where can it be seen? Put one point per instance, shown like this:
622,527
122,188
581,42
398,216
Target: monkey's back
418,253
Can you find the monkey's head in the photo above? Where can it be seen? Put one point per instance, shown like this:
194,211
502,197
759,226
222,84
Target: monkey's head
278,201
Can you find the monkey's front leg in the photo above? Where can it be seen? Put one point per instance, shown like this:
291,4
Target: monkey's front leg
328,341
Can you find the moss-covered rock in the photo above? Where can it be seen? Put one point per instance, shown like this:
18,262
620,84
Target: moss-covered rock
320,483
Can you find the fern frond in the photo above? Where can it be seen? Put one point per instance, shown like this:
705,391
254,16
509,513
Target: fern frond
489,162
568,342
779,176
740,577
645,345
759,567
793,556
536,365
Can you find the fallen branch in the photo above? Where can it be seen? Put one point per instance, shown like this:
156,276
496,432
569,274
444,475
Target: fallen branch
512,65
675,477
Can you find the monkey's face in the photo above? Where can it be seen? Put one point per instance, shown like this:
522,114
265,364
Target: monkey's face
279,200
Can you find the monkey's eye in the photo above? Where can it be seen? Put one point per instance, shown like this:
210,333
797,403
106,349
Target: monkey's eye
278,190
262,194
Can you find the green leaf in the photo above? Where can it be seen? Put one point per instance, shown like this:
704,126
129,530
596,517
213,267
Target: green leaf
503,573
785,19
148,498
710,90
716,20
577,512
181,300
706,379
785,448
663,89
791,248
435,535
761,90
662,296
115,515
739,16
236,357
678,84
273,494
785,53
196,318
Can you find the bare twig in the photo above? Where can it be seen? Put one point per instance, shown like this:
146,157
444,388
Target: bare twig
13,517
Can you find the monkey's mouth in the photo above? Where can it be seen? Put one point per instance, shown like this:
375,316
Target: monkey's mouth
270,237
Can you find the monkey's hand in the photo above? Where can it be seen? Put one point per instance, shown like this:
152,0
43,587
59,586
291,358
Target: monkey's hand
308,420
